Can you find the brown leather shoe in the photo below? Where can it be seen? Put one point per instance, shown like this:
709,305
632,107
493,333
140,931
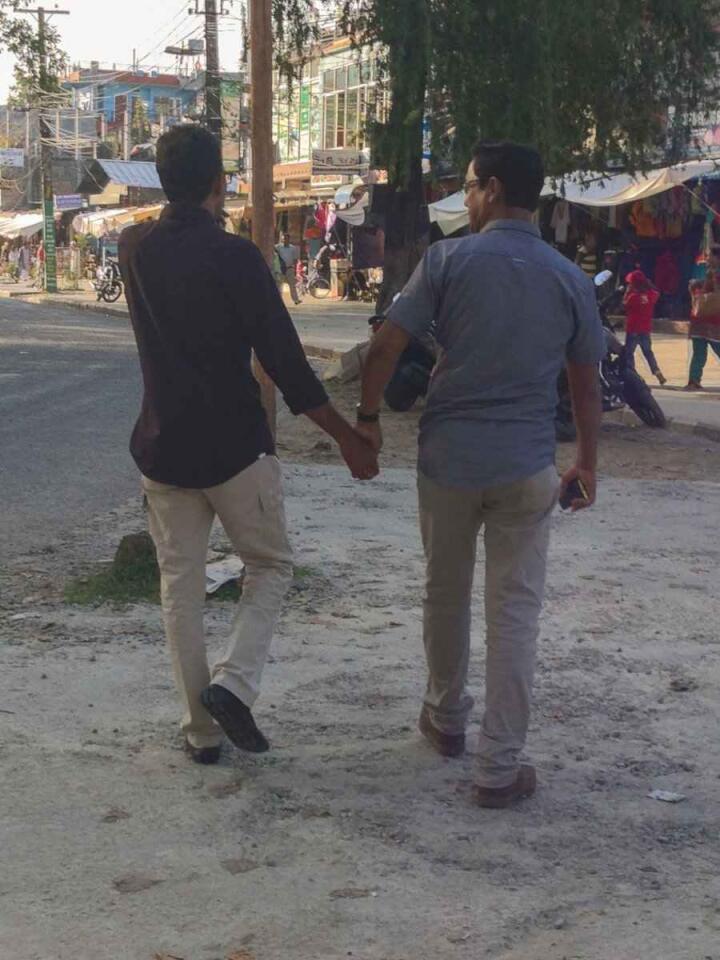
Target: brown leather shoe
447,744
500,797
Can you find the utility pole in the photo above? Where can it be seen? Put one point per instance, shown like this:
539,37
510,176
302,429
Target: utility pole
48,204
213,105
263,212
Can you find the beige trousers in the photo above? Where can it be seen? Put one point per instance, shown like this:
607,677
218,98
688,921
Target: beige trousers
251,509
516,522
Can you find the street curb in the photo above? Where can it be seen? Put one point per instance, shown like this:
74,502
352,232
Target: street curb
108,309
51,301
660,324
695,428
625,417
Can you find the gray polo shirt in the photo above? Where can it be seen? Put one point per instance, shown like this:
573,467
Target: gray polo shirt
507,311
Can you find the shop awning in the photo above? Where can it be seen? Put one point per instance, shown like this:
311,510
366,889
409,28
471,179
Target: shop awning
590,190
23,225
129,173
103,221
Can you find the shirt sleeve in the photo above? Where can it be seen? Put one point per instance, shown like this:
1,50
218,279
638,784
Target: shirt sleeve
587,344
273,336
415,309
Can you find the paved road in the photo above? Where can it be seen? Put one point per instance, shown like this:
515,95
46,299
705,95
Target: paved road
69,393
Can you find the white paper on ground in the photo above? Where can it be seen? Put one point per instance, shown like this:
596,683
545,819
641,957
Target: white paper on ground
223,571
667,796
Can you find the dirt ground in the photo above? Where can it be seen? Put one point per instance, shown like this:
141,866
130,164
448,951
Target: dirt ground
630,452
351,838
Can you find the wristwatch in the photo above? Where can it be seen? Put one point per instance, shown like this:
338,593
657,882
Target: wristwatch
366,417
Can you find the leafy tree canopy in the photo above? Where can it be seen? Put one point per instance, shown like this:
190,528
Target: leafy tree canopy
19,36
591,84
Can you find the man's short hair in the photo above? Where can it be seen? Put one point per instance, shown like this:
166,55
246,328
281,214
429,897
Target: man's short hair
518,168
188,162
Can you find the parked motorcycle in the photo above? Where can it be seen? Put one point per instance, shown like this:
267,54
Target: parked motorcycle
108,282
620,383
412,373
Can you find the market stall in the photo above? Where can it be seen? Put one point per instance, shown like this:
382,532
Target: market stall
661,222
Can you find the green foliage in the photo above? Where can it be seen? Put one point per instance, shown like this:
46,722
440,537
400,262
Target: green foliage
19,37
589,83
138,583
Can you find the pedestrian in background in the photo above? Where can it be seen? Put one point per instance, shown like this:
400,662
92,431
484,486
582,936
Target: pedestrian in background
508,313
587,255
704,319
201,300
289,255
639,300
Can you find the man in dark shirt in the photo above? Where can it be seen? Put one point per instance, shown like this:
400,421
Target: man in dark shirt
201,300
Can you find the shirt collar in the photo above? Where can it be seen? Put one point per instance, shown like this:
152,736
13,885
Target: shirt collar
524,226
189,212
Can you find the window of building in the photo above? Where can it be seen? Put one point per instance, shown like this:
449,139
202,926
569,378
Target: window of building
330,122
349,104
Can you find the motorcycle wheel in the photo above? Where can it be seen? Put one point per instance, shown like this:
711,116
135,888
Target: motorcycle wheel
641,401
320,288
112,293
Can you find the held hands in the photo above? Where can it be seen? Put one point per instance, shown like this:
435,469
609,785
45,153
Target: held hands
588,480
359,455
372,433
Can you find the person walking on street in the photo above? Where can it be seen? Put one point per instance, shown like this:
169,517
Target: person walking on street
508,312
639,300
704,320
201,300
289,255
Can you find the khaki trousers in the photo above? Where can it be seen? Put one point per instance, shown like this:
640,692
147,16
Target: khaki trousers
516,522
251,509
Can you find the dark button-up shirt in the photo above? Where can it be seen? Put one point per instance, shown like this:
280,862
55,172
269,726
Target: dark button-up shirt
507,312
201,300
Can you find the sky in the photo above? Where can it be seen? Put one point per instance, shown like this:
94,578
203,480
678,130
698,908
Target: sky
109,30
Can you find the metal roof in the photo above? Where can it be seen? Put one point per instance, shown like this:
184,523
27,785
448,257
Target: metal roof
133,173
130,173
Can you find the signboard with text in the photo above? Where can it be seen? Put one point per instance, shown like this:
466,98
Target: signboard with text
340,161
69,201
49,244
12,157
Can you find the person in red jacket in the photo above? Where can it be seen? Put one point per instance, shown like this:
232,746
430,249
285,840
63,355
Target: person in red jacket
640,300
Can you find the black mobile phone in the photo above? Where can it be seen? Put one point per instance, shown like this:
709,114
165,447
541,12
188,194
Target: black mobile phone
575,491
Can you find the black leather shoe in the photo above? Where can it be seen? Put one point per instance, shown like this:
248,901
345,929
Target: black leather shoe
204,755
446,744
234,718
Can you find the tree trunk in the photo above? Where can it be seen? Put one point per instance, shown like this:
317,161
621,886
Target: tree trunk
400,145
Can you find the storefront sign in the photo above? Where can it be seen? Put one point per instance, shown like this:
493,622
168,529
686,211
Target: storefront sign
291,171
340,161
11,157
69,201
305,108
49,245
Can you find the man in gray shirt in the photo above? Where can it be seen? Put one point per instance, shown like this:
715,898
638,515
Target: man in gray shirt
507,312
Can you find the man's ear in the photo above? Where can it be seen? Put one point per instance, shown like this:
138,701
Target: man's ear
495,191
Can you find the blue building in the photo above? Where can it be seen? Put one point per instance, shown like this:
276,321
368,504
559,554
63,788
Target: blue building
125,99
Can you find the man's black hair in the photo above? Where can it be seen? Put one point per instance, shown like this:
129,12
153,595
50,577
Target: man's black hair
188,162
518,168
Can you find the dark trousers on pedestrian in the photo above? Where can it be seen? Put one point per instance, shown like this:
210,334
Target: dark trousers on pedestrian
642,340
699,357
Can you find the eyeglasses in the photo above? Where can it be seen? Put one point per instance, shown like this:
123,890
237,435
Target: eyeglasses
469,184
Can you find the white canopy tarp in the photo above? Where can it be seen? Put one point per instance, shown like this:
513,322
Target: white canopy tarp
95,223
354,212
355,215
24,225
590,190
